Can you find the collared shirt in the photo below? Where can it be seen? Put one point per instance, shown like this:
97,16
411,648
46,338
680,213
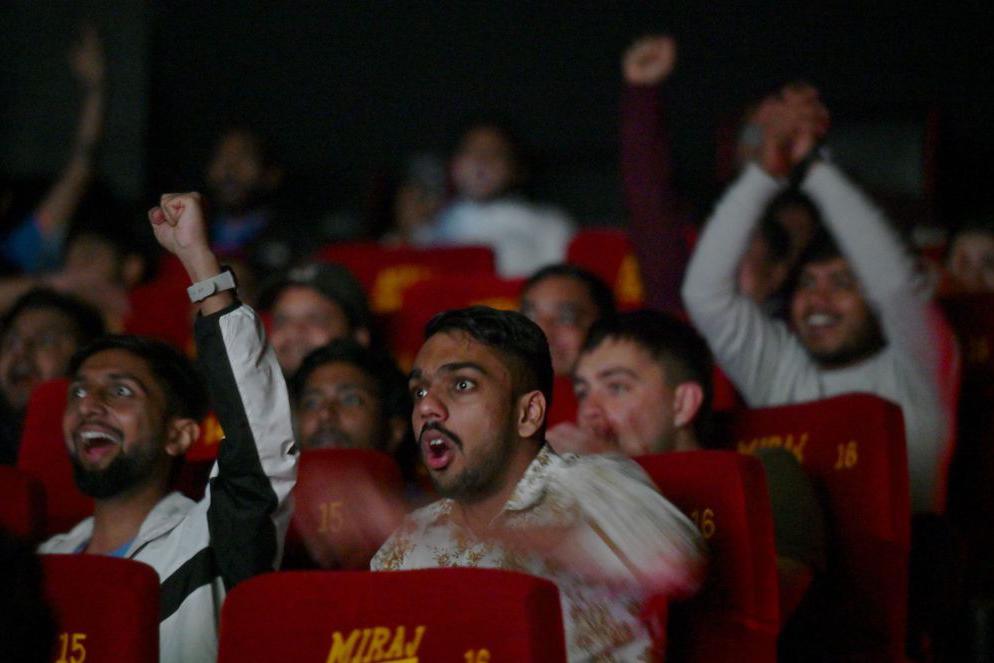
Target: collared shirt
634,543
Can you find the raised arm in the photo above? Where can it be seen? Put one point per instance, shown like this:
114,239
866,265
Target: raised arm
752,348
248,507
656,224
37,241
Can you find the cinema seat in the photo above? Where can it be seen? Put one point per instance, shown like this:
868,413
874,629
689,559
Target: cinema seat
608,253
43,456
385,272
107,609
161,308
853,449
735,617
346,503
22,504
422,300
451,614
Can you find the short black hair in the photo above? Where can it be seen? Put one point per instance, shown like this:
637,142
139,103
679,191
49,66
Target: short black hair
598,290
676,345
183,385
87,320
517,339
391,384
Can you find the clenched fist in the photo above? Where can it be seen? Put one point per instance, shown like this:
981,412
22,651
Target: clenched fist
649,61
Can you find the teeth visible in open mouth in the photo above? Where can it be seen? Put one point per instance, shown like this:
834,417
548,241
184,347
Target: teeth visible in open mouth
820,319
91,436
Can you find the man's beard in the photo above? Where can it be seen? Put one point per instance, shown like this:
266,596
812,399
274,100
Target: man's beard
481,480
867,341
125,472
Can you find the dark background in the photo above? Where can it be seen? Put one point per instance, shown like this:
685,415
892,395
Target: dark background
346,90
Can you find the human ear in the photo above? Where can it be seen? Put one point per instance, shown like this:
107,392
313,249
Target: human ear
687,400
531,413
181,434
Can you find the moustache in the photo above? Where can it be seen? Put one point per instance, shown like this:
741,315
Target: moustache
434,425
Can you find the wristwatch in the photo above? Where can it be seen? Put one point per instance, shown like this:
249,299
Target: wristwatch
201,290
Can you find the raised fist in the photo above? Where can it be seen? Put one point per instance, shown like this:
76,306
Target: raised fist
179,225
649,61
792,122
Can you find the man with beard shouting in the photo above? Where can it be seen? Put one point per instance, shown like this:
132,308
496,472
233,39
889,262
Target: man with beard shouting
132,412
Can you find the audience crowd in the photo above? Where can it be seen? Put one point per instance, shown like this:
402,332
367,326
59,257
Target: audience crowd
516,432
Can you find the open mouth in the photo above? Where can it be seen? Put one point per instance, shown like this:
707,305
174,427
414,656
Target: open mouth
436,449
94,444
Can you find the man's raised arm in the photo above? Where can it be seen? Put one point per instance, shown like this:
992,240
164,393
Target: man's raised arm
248,509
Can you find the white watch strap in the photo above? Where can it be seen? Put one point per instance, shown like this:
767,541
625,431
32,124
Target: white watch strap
201,290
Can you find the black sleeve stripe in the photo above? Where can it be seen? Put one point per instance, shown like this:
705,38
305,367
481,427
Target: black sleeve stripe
196,572
241,528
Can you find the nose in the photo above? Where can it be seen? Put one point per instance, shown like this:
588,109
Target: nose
329,411
429,408
590,411
90,403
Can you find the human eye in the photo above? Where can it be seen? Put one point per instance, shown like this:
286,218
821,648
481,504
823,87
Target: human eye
76,392
617,388
310,402
352,399
580,391
463,384
122,390
569,316
418,392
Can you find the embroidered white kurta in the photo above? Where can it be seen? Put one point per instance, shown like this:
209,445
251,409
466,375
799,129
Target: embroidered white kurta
634,544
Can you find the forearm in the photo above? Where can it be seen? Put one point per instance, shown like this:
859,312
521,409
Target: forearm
61,200
656,222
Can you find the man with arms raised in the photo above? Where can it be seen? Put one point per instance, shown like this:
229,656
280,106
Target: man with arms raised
859,318
595,526
133,410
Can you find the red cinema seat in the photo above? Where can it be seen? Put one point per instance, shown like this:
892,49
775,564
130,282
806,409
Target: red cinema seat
43,456
422,300
564,403
346,503
161,308
853,449
385,272
736,615
107,608
22,504
451,614
608,253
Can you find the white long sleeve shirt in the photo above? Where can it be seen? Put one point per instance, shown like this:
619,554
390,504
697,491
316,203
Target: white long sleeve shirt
767,361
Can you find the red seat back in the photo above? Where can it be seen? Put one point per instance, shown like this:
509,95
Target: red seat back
43,456
735,617
853,449
161,308
346,503
608,253
107,608
385,272
564,403
422,300
22,504
450,614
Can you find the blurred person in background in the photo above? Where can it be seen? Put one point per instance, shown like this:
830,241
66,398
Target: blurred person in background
312,305
489,170
38,335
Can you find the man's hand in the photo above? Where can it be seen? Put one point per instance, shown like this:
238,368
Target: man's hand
87,59
179,226
792,123
570,438
649,61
